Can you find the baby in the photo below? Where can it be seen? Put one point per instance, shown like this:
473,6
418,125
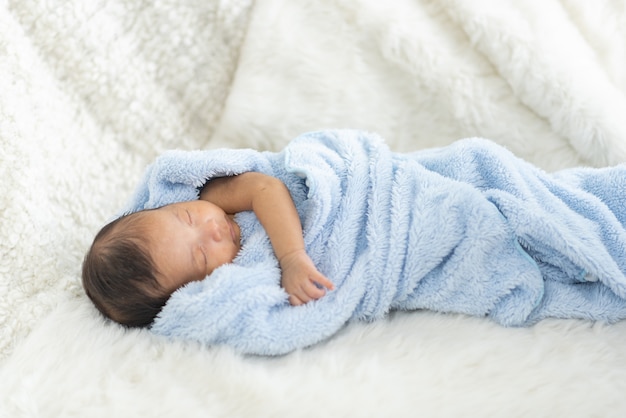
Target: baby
137,261
468,228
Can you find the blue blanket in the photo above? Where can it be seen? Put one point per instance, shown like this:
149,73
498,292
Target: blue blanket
468,228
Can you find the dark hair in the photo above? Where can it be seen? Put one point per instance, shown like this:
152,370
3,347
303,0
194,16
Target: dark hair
119,274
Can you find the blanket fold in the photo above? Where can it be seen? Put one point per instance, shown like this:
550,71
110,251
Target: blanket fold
468,228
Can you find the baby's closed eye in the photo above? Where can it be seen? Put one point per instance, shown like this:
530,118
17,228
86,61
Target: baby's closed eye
206,257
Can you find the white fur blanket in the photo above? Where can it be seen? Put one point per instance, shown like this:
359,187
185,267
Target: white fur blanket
92,91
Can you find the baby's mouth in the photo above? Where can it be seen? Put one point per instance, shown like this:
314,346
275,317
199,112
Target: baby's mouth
231,228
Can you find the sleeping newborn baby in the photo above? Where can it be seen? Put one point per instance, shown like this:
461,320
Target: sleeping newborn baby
270,252
139,260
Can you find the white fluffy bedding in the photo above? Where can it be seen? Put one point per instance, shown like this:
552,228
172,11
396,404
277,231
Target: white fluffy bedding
92,91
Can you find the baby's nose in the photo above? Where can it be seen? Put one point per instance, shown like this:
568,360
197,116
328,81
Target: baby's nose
215,230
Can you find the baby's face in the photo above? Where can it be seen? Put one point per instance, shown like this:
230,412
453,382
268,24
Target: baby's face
189,240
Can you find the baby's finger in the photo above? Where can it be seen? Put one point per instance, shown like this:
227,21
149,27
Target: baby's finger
303,293
312,291
324,281
295,301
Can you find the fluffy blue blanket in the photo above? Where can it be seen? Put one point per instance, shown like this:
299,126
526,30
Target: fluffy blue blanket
468,228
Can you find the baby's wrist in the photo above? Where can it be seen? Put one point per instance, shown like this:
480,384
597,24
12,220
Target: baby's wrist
290,254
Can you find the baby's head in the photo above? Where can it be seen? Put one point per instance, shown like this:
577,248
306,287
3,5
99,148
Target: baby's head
137,261
119,275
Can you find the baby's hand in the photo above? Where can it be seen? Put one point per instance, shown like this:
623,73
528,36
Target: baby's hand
299,276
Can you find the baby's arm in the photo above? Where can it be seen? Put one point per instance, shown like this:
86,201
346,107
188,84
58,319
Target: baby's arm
271,202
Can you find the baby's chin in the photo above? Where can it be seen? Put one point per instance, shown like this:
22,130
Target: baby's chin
236,231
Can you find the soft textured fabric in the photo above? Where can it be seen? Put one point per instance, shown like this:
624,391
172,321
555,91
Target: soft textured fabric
468,228
93,91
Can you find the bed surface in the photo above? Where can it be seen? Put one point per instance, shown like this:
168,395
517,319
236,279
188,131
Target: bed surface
93,91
